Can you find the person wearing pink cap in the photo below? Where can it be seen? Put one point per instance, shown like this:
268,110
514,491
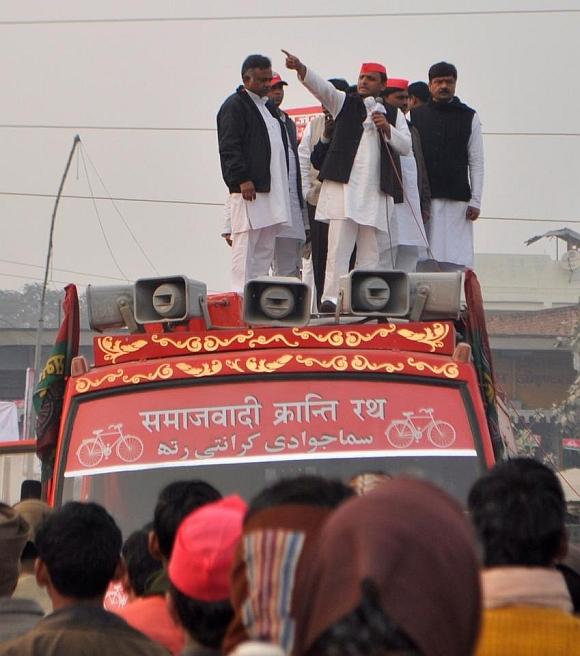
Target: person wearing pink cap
199,573
409,216
359,172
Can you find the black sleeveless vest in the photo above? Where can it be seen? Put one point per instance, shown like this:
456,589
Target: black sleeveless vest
445,129
348,131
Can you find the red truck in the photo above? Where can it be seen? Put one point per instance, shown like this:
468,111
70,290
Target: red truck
242,393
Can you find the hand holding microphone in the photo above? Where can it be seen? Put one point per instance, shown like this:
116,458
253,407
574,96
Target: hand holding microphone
379,115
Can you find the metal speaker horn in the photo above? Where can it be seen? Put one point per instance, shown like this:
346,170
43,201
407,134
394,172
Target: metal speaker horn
276,301
435,295
110,307
168,300
375,293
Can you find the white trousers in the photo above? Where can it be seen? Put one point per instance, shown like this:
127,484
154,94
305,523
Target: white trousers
407,258
343,234
252,255
287,257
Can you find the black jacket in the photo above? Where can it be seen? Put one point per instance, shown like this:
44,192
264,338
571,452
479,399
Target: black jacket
342,149
244,144
445,129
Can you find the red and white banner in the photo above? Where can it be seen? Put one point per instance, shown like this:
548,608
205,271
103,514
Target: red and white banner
571,443
280,420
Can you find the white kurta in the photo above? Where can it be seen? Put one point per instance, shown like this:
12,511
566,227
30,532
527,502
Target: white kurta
407,215
361,199
269,208
450,232
295,228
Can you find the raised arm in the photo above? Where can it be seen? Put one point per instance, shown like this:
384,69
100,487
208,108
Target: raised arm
332,99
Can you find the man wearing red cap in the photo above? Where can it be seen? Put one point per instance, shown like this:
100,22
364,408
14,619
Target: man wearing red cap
290,239
360,171
411,240
199,573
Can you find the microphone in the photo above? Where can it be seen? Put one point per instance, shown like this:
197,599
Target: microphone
374,105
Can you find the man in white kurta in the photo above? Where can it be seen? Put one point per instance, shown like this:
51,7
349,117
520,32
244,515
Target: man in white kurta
258,208
411,239
290,239
453,149
358,209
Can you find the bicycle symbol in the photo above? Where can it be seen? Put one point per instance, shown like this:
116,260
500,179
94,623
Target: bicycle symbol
93,449
402,432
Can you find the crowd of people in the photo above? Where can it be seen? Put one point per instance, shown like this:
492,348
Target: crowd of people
389,175
310,567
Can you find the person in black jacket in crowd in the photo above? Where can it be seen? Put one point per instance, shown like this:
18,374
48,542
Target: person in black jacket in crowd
253,147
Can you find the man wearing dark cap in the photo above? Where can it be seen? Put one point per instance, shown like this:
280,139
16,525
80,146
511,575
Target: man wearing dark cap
453,148
253,146
359,172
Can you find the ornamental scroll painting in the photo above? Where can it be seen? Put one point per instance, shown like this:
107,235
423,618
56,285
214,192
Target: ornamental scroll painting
285,420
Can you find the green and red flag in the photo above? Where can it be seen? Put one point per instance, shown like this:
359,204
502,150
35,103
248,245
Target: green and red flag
476,334
49,393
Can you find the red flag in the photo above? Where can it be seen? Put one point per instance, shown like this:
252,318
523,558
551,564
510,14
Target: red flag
49,393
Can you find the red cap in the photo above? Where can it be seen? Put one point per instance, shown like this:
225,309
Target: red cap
204,549
373,67
398,83
276,79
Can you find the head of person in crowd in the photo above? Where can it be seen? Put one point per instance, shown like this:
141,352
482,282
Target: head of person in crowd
396,94
30,489
79,548
139,563
371,79
518,510
199,570
279,531
442,82
34,512
394,571
418,94
367,482
14,534
276,93
175,502
257,74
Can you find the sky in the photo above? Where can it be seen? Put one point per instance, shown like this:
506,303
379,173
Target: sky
140,81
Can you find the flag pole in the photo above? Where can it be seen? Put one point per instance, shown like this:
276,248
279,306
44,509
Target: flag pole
40,328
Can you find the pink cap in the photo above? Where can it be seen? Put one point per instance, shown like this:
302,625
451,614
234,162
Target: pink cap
204,549
398,83
276,79
373,67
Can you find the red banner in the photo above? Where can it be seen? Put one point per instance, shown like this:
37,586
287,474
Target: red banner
287,420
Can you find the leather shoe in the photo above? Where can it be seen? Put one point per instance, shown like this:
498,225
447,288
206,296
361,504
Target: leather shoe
327,307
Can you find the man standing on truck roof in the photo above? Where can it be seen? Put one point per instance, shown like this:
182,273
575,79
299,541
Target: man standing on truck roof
409,215
453,148
253,146
359,172
290,239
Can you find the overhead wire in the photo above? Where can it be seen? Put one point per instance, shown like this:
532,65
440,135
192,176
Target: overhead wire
168,201
96,208
119,213
273,17
80,273
152,128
